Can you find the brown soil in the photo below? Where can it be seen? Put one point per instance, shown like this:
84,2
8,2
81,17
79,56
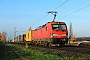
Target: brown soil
20,56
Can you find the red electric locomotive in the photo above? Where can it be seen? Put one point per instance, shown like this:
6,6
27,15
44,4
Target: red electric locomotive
52,33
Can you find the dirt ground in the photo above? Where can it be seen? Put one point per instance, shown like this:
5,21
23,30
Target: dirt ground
5,55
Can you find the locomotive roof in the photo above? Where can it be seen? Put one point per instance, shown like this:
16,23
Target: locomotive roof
44,25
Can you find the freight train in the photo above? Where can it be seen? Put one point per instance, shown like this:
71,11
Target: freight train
50,34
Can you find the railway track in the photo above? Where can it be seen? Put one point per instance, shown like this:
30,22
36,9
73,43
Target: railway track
68,51
80,49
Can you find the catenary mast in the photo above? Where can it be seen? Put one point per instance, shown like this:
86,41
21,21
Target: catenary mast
70,31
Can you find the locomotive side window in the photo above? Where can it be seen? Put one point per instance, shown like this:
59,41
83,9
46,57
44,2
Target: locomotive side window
46,29
58,27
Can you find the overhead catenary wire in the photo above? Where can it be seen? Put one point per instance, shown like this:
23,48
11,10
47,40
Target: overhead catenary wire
76,6
57,8
75,11
61,4
55,4
49,9
39,20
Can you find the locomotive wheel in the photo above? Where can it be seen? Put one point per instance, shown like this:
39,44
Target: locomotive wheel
49,45
45,44
62,44
36,44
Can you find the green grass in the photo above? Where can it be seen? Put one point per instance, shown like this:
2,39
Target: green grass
11,54
39,55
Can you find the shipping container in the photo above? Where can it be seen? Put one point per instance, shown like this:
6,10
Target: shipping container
29,35
23,38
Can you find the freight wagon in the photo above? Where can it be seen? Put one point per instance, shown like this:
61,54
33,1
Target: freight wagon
29,36
20,38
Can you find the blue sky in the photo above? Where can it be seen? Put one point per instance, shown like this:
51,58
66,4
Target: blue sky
26,13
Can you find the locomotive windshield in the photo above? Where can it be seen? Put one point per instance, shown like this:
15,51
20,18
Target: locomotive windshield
59,27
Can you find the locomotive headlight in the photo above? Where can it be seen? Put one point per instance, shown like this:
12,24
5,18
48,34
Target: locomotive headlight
51,35
63,34
55,34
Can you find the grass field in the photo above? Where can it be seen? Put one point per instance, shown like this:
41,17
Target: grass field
39,55
11,54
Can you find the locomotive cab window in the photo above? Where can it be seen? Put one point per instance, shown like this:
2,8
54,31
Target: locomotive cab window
58,27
